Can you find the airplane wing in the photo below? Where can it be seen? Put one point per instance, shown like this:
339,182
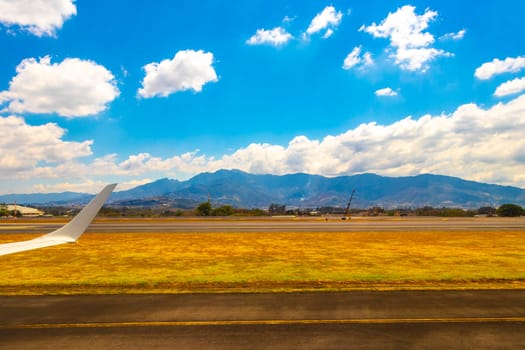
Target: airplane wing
68,233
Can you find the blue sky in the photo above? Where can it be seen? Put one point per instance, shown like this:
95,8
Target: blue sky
126,91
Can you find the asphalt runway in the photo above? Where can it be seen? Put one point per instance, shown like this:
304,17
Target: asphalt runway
350,320
357,224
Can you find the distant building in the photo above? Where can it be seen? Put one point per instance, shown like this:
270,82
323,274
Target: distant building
25,211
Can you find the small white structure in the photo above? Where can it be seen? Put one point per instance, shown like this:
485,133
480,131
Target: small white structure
25,211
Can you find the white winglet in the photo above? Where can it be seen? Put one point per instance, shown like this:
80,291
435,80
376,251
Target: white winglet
68,233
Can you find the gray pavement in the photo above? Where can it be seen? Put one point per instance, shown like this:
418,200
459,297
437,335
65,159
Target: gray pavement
334,224
357,320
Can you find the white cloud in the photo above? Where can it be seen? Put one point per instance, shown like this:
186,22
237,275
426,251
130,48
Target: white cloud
188,70
328,19
86,186
410,43
39,17
472,142
367,59
72,88
454,36
328,33
386,92
355,58
510,87
508,65
25,147
417,59
275,37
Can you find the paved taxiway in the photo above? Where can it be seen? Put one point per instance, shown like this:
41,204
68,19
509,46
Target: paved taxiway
357,320
333,224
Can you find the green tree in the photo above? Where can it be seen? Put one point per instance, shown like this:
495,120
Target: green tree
3,210
258,212
225,210
15,213
452,212
509,210
427,211
109,212
276,209
204,209
487,211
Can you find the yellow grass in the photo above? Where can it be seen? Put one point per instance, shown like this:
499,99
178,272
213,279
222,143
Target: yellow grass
211,262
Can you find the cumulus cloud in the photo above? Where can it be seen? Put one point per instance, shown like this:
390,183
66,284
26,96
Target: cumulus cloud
472,142
276,37
328,19
188,70
386,92
71,88
454,36
496,66
476,143
25,147
510,87
86,186
409,40
328,33
354,58
39,17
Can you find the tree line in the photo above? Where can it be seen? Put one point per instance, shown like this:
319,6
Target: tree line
206,209
505,210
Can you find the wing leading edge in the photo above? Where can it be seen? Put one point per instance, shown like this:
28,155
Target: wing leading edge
68,233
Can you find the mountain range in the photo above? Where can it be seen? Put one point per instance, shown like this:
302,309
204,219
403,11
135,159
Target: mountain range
244,190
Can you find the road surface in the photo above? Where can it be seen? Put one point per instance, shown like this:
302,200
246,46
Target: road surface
357,320
283,225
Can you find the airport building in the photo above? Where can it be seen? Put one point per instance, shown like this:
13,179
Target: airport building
25,211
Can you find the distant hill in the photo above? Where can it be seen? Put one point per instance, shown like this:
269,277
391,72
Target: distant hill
153,189
246,190
63,198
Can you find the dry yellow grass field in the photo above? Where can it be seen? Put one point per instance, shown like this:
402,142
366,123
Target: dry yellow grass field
247,262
